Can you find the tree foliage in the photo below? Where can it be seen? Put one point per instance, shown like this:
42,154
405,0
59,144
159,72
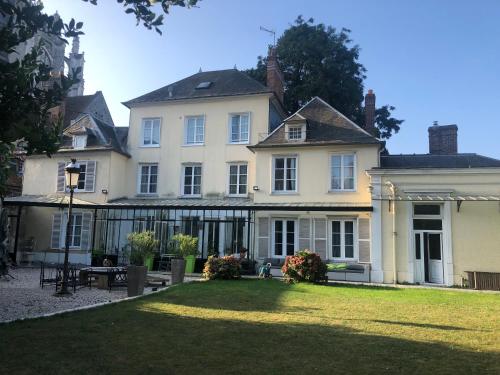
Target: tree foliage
319,60
25,92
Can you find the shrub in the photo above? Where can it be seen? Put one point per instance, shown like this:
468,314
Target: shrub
143,245
227,268
304,266
186,245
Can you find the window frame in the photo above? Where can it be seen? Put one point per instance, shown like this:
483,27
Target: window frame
183,176
71,236
143,125
230,129
228,189
75,142
77,189
139,178
283,236
186,123
343,258
342,176
273,174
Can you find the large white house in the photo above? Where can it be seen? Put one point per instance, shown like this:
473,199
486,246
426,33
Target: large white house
216,156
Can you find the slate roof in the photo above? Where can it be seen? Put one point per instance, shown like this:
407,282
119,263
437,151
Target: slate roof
324,126
106,137
78,106
416,161
229,82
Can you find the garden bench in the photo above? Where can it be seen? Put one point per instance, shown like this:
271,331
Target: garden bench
352,272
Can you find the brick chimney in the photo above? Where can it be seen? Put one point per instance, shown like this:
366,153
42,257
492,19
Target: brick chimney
443,139
274,76
370,113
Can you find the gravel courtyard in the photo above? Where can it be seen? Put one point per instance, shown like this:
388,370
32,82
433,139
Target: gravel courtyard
22,297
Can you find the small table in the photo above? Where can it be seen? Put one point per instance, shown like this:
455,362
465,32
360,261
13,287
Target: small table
102,274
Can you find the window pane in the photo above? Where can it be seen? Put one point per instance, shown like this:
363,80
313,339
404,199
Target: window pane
278,185
278,237
336,178
280,163
427,209
434,246
349,184
427,224
290,237
349,251
417,246
349,160
243,169
147,132
336,161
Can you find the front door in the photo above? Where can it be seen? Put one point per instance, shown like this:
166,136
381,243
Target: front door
428,257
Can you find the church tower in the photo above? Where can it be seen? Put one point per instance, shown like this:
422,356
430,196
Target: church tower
75,61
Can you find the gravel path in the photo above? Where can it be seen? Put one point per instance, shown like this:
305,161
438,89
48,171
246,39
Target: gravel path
22,297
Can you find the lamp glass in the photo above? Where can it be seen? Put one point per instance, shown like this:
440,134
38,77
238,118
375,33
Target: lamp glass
72,172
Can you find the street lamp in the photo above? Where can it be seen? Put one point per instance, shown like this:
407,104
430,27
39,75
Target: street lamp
72,172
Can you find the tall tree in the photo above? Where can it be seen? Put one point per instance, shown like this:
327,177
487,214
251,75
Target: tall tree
25,92
319,60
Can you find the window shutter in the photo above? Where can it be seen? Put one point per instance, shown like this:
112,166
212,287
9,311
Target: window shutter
90,176
304,234
55,240
263,238
61,180
86,231
364,240
320,237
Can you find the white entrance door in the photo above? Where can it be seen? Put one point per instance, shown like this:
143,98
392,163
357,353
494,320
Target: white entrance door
428,257
435,258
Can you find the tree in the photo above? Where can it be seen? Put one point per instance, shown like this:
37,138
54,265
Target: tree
28,89
317,60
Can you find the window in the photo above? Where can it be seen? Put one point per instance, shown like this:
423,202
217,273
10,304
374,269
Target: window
284,234
342,232
427,217
238,179
343,172
239,125
426,210
195,130
151,132
75,231
191,181
295,133
79,141
82,176
148,178
285,174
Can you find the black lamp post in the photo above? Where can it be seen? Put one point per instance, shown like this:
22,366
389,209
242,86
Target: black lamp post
72,172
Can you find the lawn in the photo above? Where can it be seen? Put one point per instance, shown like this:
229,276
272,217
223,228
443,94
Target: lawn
266,327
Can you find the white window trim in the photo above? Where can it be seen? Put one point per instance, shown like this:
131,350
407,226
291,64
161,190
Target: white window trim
285,192
64,226
342,258
183,172
235,163
142,132
330,165
75,137
139,175
432,217
302,132
229,132
185,142
295,239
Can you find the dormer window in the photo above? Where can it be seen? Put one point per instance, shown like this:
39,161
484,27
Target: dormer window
296,132
79,141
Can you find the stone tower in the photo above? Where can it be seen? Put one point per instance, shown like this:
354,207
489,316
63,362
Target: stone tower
75,61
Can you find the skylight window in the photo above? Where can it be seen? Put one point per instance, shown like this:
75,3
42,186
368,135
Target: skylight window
204,85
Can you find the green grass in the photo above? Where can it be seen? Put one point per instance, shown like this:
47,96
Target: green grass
266,327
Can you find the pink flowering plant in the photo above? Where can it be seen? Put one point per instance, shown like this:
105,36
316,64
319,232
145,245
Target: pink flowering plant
227,268
304,266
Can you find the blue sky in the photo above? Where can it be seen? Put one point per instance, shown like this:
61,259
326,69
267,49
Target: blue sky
432,60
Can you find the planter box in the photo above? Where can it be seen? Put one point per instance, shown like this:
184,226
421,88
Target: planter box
136,278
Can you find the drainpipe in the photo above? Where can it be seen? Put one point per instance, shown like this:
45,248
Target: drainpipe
392,189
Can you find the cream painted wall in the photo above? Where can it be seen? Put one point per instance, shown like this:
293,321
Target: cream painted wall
40,174
474,230
314,174
214,154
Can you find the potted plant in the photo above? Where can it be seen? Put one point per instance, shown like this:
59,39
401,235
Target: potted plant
143,245
187,247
